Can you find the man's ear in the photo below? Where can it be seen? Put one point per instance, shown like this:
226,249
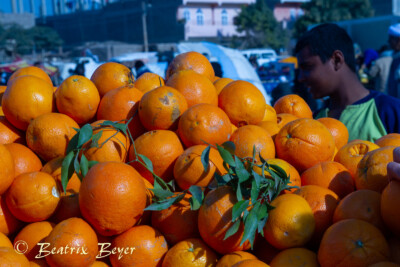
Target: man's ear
338,59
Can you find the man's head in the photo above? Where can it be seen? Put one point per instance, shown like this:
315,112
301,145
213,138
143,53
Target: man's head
325,53
394,36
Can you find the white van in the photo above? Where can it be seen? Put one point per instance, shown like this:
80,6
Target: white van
263,55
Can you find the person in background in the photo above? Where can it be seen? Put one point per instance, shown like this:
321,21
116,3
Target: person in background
328,67
140,68
379,70
394,72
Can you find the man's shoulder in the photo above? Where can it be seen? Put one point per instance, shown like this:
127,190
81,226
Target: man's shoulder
384,99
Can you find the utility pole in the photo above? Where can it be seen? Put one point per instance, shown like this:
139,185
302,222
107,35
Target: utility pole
21,6
44,10
32,7
144,24
14,6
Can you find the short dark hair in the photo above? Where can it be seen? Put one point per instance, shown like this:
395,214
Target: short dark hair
324,39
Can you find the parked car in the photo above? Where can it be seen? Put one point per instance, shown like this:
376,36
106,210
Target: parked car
262,55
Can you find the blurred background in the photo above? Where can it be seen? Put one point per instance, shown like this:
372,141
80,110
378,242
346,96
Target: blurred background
244,39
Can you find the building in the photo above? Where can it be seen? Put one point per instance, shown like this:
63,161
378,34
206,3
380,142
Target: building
287,11
210,18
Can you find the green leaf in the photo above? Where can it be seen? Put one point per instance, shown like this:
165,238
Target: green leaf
226,156
161,193
260,226
230,146
205,158
279,171
239,195
232,230
73,143
92,163
255,191
119,126
165,204
197,197
96,138
85,134
250,226
257,178
147,162
241,171
67,169
239,208
77,166
159,183
84,165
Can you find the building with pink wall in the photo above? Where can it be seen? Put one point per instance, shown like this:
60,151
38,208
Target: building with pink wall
210,18
288,11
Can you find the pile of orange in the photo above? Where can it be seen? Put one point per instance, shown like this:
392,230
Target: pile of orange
341,210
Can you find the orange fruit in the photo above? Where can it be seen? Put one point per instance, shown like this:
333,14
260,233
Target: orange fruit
135,127
243,103
148,81
32,234
113,145
8,223
221,83
362,204
190,252
68,207
26,98
7,168
372,169
8,133
48,135
9,257
24,159
270,114
188,169
162,147
230,259
196,88
293,104
116,104
53,167
295,257
271,127
392,139
146,217
338,130
111,75
112,197
161,108
5,241
284,118
390,208
250,263
99,264
263,250
144,247
323,203
331,175
177,222
191,61
250,137
351,154
308,138
394,244
76,234
352,242
32,71
291,172
291,223
78,98
215,218
33,196
204,124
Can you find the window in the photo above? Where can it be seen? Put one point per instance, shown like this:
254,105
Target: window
186,15
200,17
224,17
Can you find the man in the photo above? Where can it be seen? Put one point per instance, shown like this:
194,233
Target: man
379,70
393,168
327,66
394,72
